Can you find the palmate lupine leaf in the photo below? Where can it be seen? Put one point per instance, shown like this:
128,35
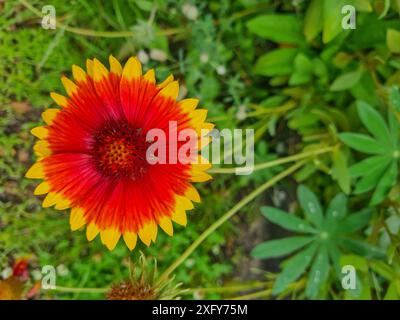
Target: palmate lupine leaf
281,247
379,171
286,220
294,268
321,247
319,273
310,204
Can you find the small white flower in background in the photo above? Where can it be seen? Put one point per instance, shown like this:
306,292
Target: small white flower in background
158,55
143,56
216,250
190,263
190,11
197,295
241,114
7,272
182,92
36,274
204,57
221,70
62,270
296,3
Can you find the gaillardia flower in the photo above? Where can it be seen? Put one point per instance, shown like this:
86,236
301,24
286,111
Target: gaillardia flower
92,153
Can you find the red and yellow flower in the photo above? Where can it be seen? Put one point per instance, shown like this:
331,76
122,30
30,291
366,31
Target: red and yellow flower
92,153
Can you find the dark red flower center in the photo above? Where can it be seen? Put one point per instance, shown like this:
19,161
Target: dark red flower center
119,150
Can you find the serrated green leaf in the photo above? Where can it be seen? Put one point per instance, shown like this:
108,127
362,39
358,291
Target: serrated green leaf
282,28
280,247
318,274
385,183
286,220
294,268
374,122
355,221
362,142
310,204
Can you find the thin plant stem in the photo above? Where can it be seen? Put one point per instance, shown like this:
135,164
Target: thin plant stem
127,33
248,286
81,290
94,33
259,294
227,216
261,111
274,163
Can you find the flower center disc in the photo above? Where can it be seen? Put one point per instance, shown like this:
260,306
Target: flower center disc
120,150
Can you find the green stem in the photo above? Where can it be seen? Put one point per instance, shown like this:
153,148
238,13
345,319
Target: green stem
94,33
255,285
261,111
273,163
259,294
81,290
226,217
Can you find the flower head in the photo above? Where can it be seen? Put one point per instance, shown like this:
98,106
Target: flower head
93,153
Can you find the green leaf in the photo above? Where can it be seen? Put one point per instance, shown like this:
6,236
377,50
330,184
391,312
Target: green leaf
367,165
276,62
355,221
312,21
362,5
391,292
393,40
346,81
280,247
360,263
335,255
382,268
340,170
374,122
394,98
337,208
303,69
368,182
362,142
286,220
332,19
318,274
394,129
294,268
387,181
385,9
310,204
281,28
362,248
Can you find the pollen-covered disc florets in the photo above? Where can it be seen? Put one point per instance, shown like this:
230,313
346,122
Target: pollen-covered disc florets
119,150
92,153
